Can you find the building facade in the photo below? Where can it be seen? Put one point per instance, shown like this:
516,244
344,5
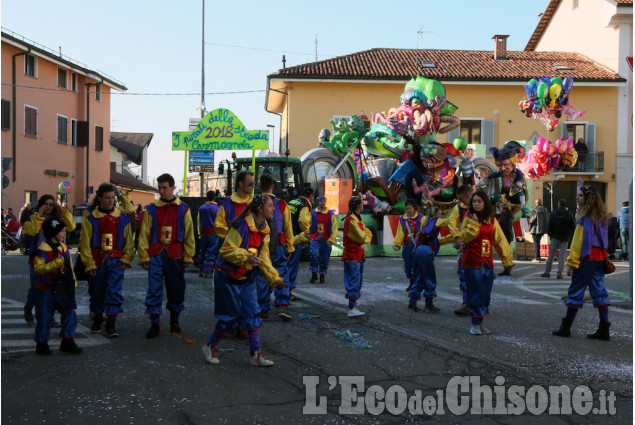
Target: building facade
55,123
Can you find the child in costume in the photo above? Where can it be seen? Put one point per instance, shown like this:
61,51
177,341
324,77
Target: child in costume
407,229
243,255
301,223
480,232
323,233
52,262
208,237
586,263
355,236
427,247
459,212
106,246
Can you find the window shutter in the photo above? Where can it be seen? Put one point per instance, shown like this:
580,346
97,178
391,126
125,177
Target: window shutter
453,134
589,137
82,133
487,134
6,114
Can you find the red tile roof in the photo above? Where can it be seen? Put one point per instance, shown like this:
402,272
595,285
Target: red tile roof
451,65
624,2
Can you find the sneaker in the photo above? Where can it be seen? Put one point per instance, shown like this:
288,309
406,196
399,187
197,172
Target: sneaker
28,315
484,331
154,331
97,321
175,328
313,277
257,359
560,277
476,330
414,308
463,311
535,260
111,332
264,314
68,346
322,278
430,308
354,312
283,313
211,354
42,348
545,275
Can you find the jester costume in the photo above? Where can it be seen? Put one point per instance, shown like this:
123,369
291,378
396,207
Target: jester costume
323,234
209,239
356,234
407,229
301,222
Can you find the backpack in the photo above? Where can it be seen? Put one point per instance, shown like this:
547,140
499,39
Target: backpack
295,206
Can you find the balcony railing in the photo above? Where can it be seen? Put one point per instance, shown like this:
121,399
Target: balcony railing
588,162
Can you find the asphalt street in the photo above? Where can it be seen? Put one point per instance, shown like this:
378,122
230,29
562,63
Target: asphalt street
132,380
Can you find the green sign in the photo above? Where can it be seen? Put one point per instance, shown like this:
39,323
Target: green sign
220,130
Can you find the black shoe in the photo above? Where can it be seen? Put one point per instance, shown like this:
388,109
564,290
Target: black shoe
28,315
264,314
154,331
68,346
505,273
313,277
602,333
414,308
322,278
97,321
431,309
111,332
42,348
564,330
175,328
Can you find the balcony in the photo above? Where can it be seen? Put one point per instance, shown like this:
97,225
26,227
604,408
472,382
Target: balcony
588,163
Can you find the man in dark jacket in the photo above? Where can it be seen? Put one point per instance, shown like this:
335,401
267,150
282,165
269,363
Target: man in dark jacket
560,227
614,230
538,227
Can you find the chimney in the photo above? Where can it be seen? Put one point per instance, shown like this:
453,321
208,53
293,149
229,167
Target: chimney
500,47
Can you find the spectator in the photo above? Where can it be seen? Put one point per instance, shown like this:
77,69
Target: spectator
581,148
614,230
560,227
9,216
25,212
2,217
623,221
505,220
139,213
538,227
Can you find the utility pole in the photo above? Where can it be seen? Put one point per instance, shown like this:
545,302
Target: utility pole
201,175
316,57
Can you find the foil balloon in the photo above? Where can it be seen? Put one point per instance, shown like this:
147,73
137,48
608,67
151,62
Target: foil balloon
65,187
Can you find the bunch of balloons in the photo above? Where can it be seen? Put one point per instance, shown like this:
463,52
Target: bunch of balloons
546,156
548,100
65,187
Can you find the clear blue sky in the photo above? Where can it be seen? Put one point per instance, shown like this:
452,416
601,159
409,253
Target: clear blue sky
155,47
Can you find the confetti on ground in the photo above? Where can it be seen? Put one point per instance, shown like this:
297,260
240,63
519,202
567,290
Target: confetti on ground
179,336
355,338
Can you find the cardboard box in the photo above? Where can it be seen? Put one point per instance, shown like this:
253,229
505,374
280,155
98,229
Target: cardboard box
338,192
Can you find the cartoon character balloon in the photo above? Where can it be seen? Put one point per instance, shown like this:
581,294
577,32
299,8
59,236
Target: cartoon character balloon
548,100
65,187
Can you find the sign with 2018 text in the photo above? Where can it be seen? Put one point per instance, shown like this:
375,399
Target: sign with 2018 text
220,129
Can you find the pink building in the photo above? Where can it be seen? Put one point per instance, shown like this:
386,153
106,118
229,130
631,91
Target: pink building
55,123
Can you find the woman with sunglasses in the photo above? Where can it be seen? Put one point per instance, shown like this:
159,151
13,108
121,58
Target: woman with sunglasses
586,263
46,207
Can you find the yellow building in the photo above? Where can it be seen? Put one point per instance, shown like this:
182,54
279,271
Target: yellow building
486,86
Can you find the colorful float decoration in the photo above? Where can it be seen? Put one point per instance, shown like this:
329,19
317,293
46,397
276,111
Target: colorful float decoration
548,100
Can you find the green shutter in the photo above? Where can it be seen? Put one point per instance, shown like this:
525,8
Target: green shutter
487,134
589,137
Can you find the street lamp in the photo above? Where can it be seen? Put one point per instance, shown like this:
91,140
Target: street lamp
271,135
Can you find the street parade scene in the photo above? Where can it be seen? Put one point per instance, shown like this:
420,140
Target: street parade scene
436,235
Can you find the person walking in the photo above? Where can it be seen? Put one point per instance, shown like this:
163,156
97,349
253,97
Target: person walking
138,217
614,234
623,220
323,233
301,223
481,232
459,212
405,238
356,234
106,246
586,263
166,247
243,255
233,205
538,227
208,237
560,227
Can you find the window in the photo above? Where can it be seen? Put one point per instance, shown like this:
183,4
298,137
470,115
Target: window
30,65
98,92
476,131
30,121
576,4
73,132
74,81
30,196
99,138
6,114
471,130
62,129
62,78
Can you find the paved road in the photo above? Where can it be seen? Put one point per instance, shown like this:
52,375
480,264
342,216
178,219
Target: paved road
138,381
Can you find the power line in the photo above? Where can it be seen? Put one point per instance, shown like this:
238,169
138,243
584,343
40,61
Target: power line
131,94
265,50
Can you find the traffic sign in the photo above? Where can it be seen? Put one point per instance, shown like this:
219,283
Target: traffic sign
200,168
201,158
